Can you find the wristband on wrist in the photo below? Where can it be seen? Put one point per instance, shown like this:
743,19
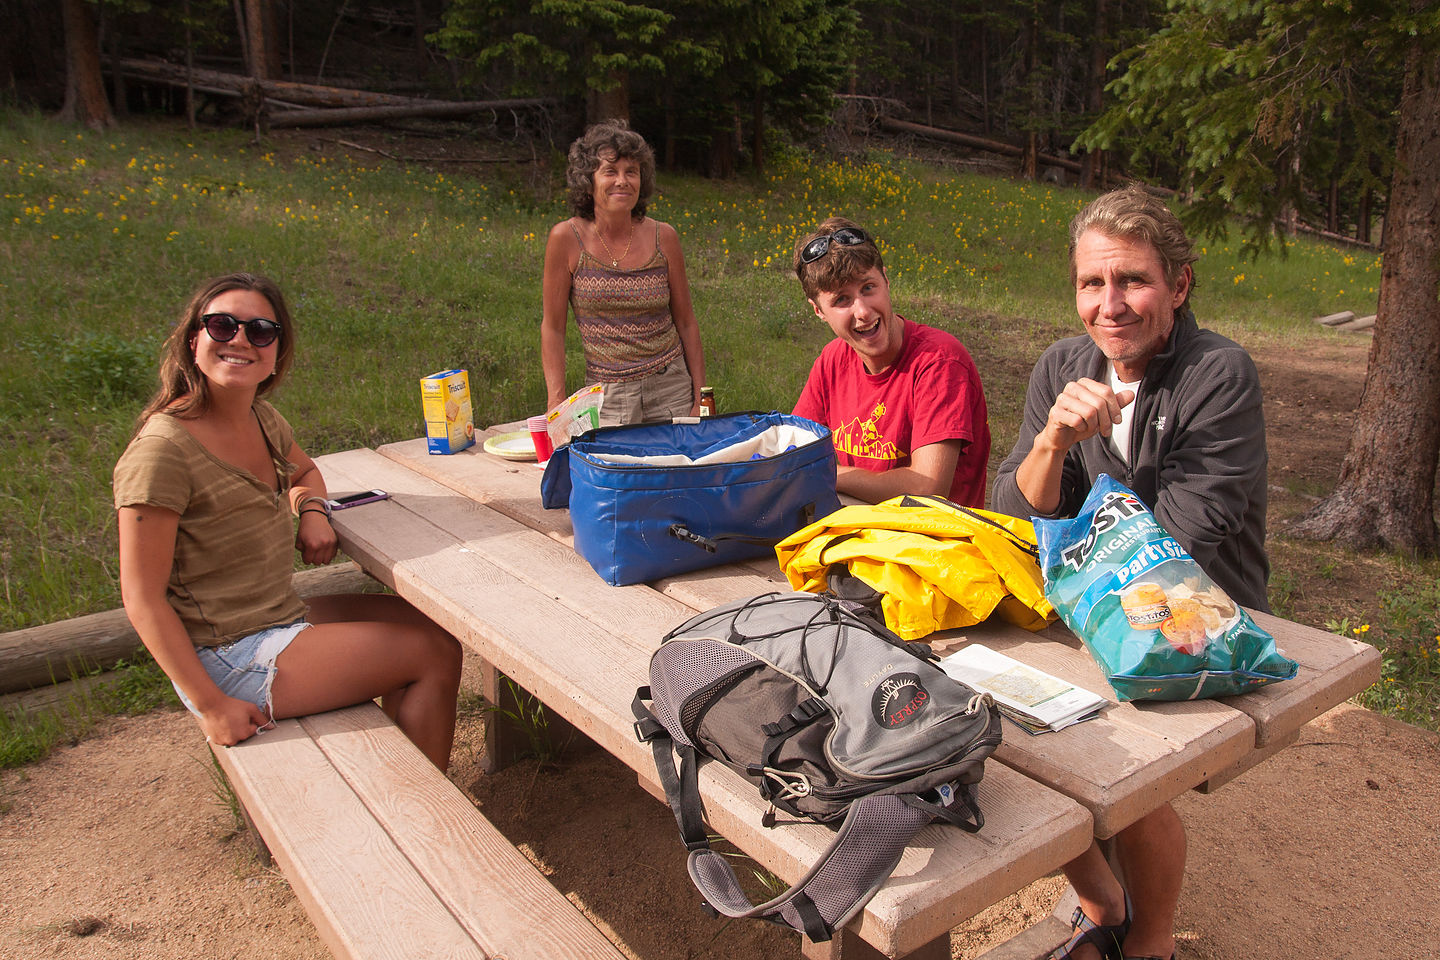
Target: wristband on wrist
323,505
314,510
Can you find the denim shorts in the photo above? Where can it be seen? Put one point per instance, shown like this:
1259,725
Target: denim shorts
245,669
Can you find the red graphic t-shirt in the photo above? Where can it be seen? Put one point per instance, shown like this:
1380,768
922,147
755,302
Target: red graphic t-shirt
931,393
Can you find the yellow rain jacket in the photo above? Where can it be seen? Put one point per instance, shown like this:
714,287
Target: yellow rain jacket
937,565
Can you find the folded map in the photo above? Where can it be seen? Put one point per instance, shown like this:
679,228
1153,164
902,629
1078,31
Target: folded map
1032,698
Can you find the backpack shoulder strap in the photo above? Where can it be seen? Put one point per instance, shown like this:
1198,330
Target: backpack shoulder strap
682,787
862,856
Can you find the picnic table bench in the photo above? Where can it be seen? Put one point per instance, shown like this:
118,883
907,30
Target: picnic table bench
465,538
387,856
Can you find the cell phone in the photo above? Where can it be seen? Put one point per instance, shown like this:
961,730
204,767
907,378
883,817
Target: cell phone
355,499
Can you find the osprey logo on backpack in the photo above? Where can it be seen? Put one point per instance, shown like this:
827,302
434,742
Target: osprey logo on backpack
830,716
898,701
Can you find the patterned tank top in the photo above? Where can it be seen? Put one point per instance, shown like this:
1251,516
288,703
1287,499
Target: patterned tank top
623,316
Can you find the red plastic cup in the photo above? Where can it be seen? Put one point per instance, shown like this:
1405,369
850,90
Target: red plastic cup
540,435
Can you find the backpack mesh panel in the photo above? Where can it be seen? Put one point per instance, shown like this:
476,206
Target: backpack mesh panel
723,891
865,861
682,667
732,728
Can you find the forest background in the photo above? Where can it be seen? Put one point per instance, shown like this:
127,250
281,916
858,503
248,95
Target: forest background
1269,121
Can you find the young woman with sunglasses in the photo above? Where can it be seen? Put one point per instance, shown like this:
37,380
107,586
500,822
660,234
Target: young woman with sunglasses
205,495
624,276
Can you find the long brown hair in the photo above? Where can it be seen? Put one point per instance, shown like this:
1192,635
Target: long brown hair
184,391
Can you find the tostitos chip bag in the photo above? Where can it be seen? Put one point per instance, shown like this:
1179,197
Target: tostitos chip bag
1154,622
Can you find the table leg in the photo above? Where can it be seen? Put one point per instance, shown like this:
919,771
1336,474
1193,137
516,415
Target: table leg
846,945
511,730
1040,939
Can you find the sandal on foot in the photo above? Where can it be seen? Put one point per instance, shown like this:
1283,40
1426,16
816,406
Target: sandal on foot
1105,939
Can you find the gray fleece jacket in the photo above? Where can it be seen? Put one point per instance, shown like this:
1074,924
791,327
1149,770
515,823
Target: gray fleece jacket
1197,450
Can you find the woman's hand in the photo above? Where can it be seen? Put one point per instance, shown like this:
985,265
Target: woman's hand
232,720
315,538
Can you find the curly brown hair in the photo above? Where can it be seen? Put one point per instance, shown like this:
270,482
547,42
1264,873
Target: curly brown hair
841,264
184,390
602,141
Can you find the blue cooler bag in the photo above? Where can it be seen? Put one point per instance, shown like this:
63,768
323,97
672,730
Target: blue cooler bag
652,500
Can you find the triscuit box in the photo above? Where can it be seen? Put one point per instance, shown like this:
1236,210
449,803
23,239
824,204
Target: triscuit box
449,422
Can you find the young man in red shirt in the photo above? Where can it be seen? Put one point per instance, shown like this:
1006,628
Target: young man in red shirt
903,400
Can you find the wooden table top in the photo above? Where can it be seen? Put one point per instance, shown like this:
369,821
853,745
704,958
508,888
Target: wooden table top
465,538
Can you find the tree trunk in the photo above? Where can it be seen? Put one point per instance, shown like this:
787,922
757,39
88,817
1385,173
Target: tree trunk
612,104
263,40
189,69
422,53
1386,493
1095,91
84,82
983,39
1362,227
757,133
721,165
1030,159
341,116
980,143
41,655
110,37
306,94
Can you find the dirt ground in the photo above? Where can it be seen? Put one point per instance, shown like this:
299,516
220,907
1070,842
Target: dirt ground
120,846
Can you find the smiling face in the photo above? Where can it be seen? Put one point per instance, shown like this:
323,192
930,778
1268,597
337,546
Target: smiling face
236,364
860,314
617,184
1124,301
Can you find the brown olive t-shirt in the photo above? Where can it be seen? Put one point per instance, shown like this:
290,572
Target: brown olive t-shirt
233,550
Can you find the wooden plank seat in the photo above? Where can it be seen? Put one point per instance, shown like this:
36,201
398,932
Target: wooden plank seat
387,856
526,603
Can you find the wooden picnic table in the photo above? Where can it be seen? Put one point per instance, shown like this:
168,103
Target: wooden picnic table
465,539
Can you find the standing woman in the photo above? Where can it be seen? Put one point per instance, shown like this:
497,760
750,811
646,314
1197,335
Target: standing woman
204,495
624,276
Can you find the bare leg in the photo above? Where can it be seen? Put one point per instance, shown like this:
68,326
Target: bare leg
1100,894
1151,852
367,646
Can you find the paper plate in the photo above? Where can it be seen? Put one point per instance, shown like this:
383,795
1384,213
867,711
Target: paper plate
515,445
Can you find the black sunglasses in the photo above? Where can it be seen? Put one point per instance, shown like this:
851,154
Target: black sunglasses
222,328
845,236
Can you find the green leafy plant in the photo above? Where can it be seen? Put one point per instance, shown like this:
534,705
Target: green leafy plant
1407,634
528,714
224,793
108,368
131,687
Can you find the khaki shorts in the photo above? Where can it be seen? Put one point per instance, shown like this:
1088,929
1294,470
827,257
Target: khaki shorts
653,399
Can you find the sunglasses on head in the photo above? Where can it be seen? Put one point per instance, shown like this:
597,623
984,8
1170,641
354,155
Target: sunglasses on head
845,236
222,328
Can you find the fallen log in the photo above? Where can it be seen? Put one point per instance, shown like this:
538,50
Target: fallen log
56,652
979,143
340,116
305,94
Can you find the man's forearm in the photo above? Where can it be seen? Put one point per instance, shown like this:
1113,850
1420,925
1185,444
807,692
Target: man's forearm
1039,476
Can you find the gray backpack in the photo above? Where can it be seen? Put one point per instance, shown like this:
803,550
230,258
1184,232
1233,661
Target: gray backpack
831,716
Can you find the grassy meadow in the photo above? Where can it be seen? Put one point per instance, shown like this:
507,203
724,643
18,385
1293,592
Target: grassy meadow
394,271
